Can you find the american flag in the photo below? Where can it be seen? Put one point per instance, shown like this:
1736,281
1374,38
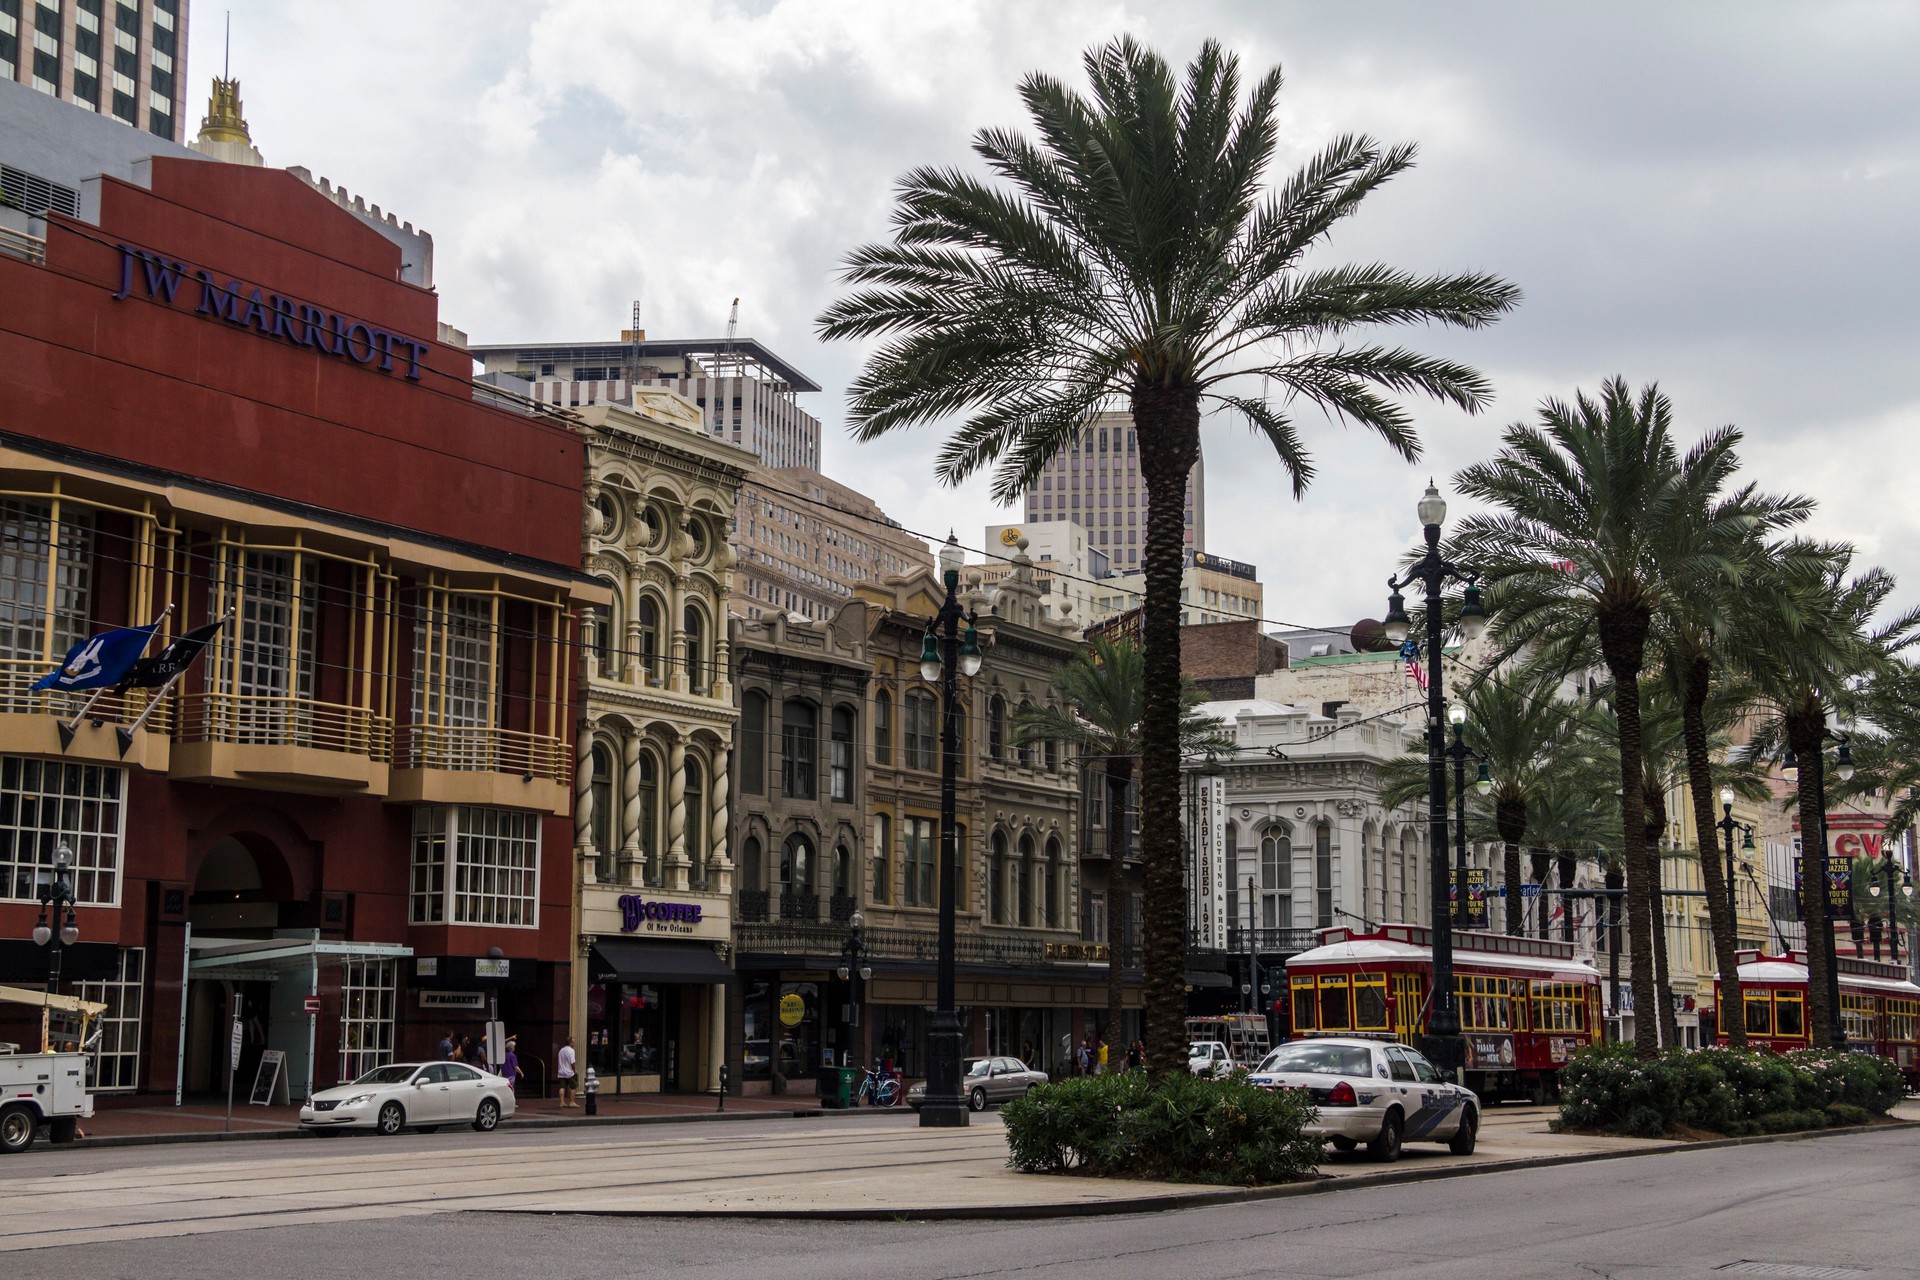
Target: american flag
1410,652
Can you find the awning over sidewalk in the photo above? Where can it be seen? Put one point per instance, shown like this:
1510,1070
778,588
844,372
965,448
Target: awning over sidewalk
264,959
647,960
1209,978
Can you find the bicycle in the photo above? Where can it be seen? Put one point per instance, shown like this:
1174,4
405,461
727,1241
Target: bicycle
878,1088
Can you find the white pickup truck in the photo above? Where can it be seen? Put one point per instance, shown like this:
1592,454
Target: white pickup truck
47,1089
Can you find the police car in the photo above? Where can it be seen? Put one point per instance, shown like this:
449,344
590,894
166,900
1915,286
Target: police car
1372,1092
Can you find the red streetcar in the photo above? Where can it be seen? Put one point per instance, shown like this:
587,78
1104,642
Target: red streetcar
1878,1003
1526,1005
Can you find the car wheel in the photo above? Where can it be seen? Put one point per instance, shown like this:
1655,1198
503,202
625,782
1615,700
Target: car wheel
977,1100
17,1126
488,1117
1467,1134
393,1118
1342,1144
1386,1147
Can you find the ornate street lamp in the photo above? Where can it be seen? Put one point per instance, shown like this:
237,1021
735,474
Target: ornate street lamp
1459,753
1442,1044
1727,827
854,971
56,929
945,657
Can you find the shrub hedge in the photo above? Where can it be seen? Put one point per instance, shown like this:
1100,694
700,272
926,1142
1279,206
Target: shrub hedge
1185,1130
1723,1090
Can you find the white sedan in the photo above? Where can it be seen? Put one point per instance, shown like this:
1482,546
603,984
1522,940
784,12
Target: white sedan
1372,1092
411,1095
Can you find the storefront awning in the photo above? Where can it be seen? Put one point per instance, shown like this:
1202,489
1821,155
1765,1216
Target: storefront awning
1208,978
264,959
647,960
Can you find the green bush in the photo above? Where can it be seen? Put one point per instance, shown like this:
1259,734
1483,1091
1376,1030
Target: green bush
1725,1091
1185,1130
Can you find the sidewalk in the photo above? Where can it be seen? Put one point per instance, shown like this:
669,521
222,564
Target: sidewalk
153,1118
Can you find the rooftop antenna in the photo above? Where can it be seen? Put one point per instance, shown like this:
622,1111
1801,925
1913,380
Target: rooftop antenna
636,336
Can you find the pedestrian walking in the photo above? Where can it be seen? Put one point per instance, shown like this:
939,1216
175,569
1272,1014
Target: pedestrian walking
446,1047
1100,1058
1084,1062
478,1057
1026,1053
510,1066
463,1050
563,1072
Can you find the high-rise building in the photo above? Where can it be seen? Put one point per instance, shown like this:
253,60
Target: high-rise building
1099,487
804,543
746,393
125,61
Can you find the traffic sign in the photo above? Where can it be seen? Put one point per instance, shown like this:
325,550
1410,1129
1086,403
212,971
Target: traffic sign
313,1004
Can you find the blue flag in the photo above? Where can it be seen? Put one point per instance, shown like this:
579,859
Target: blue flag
101,660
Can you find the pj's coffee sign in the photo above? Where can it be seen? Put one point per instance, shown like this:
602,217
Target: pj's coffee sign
270,315
637,913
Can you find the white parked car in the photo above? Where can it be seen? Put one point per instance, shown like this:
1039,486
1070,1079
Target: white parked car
411,1095
1209,1058
1372,1092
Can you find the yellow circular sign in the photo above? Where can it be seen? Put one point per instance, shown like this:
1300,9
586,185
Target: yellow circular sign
792,1010
1009,536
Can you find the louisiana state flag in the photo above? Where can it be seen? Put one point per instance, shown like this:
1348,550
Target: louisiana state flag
99,661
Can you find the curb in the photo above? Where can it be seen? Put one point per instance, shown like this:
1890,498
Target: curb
506,1126
1162,1202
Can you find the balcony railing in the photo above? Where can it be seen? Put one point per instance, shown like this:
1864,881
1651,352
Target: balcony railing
17,244
826,940
472,749
18,697
799,906
284,721
752,906
1270,941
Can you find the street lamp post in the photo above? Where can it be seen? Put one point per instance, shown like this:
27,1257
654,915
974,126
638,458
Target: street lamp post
944,658
854,971
1894,890
57,929
1727,827
1442,1043
1814,870
1459,753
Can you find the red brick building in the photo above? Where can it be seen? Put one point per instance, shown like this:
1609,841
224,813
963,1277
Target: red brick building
219,399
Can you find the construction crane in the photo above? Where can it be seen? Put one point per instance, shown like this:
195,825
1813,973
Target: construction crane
635,336
725,363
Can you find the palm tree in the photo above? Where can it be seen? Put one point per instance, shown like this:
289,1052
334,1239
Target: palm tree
1100,691
1133,254
1825,650
1594,530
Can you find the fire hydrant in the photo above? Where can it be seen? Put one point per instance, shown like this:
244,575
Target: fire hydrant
590,1090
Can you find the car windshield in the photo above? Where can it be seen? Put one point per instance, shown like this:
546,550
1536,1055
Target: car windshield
979,1066
1304,1057
398,1074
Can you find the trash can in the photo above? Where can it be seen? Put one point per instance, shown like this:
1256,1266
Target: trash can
836,1087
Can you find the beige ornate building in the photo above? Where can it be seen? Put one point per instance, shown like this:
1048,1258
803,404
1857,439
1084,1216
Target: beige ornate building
651,804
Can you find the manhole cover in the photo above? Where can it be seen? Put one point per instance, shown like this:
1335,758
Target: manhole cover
1801,1270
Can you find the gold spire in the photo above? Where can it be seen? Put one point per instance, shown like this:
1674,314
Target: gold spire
225,121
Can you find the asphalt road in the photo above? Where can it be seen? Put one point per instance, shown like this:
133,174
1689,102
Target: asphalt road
1841,1206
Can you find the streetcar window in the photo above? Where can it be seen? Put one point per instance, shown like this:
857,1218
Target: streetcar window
1370,1002
1901,1019
1759,1015
1334,1012
1789,1015
1303,1004
1315,1058
1856,1013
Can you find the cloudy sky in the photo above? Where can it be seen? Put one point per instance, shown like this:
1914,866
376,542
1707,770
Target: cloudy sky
1723,198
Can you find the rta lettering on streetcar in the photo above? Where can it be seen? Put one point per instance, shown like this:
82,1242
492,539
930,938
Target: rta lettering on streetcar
270,315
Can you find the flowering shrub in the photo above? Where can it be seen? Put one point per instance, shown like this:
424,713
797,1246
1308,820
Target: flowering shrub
1725,1091
1183,1130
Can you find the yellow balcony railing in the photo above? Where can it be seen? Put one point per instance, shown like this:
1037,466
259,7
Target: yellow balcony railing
18,697
268,720
464,748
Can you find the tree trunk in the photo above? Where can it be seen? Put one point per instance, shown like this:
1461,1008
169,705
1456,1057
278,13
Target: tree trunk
1167,422
1720,917
1569,869
1541,910
1118,832
1623,643
1657,928
1616,914
1806,727
1510,822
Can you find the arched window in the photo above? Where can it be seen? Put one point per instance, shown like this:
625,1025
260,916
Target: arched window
996,726
882,858
604,632
922,717
799,749
840,764
843,887
753,743
696,821
699,670
1276,879
603,824
882,728
750,860
1056,885
1025,870
648,789
1023,754
997,878
1409,860
1051,753
1323,874
797,899
647,613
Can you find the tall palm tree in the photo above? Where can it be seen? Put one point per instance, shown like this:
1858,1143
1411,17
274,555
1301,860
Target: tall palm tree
1101,691
1826,647
1133,254
1593,530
